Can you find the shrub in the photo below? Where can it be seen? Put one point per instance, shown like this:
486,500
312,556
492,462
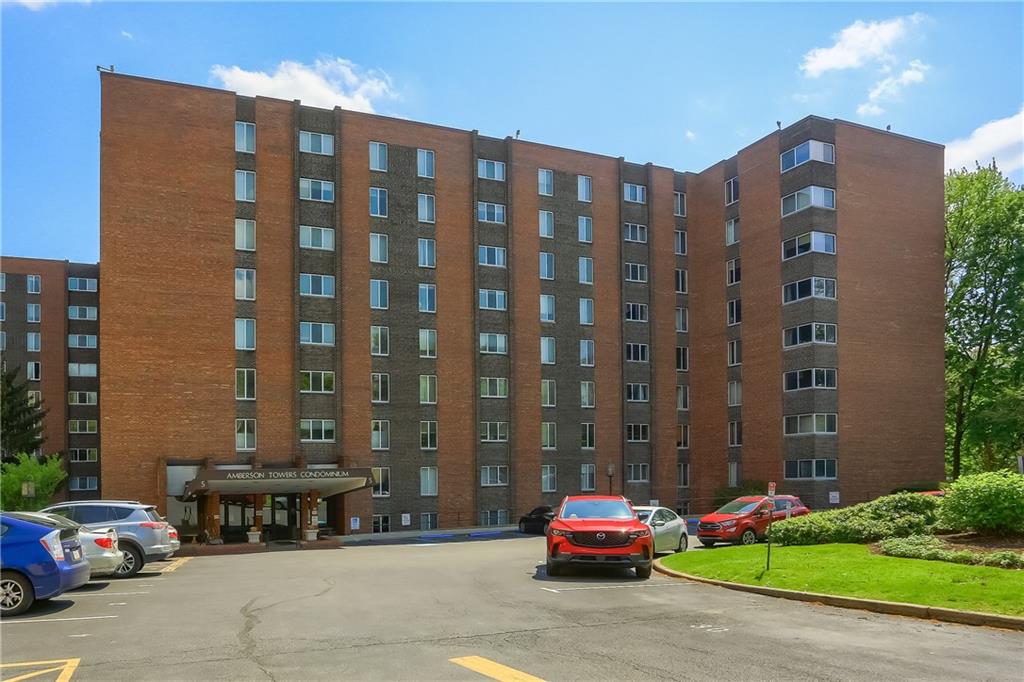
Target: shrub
930,548
891,516
918,487
992,502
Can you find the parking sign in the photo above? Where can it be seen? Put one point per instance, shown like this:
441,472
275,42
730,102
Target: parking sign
771,489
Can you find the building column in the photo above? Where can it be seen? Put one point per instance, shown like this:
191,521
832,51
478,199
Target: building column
211,515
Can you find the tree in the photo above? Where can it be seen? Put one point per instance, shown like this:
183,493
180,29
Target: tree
22,419
45,474
984,319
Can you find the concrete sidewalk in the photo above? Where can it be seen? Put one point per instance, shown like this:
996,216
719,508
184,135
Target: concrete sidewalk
427,535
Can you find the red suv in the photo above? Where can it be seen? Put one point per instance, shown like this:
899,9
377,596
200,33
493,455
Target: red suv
745,519
599,531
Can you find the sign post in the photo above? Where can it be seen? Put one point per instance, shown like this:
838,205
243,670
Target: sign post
771,514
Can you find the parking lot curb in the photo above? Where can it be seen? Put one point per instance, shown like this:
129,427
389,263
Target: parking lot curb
894,608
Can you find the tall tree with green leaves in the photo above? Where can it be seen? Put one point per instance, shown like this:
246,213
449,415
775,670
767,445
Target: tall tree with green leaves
984,320
43,474
21,420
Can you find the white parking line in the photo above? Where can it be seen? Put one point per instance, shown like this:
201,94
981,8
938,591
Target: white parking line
52,620
106,594
613,587
118,603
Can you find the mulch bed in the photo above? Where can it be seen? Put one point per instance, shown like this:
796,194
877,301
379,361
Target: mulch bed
984,544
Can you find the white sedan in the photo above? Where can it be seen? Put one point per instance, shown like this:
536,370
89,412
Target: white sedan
667,527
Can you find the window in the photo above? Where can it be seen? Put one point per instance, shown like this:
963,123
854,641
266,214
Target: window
681,281
428,435
316,430
734,474
585,229
3,282
734,394
380,434
682,359
35,397
245,384
75,312
588,394
813,332
732,231
83,483
82,340
548,391
493,299
245,434
547,350
380,341
33,342
428,343
810,468
819,242
636,312
735,433
34,312
427,298
679,204
378,202
584,188
548,436
735,352
588,477
637,352
815,423
245,137
631,232
245,185
546,223
379,299
82,369
682,398
636,194
424,163
548,478
245,234
428,389
812,150
316,285
494,256
381,482
428,520
547,308
586,352
821,197
428,484
245,334
81,284
381,523
380,387
427,255
378,248
683,437
316,190
734,312
680,242
490,213
316,333
379,157
809,378
547,265
732,191
684,475
490,170
493,432
732,272
586,270
588,436
425,208
638,393
638,433
83,454
82,397
3,310
587,311
316,143
494,343
636,272
812,287
493,387
682,320
34,371
33,284
545,182
638,473
494,517
316,381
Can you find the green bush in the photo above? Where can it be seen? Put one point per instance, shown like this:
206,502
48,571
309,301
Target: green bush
930,548
992,502
918,487
891,516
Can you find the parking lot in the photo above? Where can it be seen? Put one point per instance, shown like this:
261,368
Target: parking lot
465,610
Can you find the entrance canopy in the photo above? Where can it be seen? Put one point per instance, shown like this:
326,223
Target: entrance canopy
270,481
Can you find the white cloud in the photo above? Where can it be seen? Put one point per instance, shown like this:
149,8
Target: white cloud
328,82
37,5
126,34
858,44
1002,140
690,135
889,88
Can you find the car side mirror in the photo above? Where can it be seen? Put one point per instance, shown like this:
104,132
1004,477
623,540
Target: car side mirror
658,524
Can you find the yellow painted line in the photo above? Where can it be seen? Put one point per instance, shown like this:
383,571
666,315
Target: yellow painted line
495,671
176,564
66,669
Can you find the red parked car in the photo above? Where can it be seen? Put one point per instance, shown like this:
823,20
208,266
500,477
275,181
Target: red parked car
745,519
593,530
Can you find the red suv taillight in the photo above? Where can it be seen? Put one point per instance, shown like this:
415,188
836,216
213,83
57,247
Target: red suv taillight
105,543
173,534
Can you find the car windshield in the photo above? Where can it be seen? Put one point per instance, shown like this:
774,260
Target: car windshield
596,509
739,507
643,515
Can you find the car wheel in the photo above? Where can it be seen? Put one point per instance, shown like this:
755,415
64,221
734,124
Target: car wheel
544,529
684,543
132,563
643,572
554,570
749,537
707,543
16,593
522,526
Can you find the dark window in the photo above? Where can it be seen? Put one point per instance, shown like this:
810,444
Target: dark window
89,513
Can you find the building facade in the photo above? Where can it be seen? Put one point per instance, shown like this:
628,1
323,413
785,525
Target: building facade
491,324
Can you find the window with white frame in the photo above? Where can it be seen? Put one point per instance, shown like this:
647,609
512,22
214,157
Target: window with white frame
494,344
378,248
588,436
822,197
735,433
683,437
380,340
679,204
638,392
494,517
81,369
811,150
33,370
83,483
245,434
638,433
493,299
586,270
35,397
83,454
812,332
817,242
381,523
548,392
245,383
490,170
632,232
734,311
733,273
638,473
811,287
810,468
380,434
493,432
682,359
548,436
428,482
83,397
493,256
636,272
316,333
816,377
637,352
428,389
545,182
381,482
379,294
547,350
493,387
547,265
586,311
378,157
81,284
316,285
33,284
586,352
684,475
428,343
378,202
734,394
732,231
428,435
428,298
34,312
425,163
546,224
3,282
682,320
683,398
380,387
682,281
33,342
428,520
487,212
245,137
680,244
636,312
584,188
425,208
633,193
732,191
588,477
82,341
548,478
245,185
426,253
316,381
585,229
318,238
588,394
734,353
547,308
316,190
813,423
316,430
734,474
245,333
316,143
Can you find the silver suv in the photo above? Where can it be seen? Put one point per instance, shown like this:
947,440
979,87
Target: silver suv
142,534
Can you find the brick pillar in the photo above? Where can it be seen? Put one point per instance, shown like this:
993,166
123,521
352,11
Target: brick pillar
314,504
303,514
211,515
257,503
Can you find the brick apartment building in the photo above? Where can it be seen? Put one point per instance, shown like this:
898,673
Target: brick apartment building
493,323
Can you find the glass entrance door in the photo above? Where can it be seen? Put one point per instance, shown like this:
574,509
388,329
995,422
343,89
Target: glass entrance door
281,517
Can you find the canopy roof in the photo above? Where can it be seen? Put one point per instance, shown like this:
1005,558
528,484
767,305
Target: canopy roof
326,482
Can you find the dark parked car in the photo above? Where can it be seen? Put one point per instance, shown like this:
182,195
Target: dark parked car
536,521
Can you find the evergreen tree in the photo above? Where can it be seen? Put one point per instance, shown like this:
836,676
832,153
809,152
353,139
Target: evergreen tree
20,420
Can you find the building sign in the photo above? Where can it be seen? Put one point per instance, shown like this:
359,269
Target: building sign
406,519
326,482
833,497
285,474
353,523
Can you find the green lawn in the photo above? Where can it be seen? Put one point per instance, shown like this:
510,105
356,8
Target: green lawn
853,571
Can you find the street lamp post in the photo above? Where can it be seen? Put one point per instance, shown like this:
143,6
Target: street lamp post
611,474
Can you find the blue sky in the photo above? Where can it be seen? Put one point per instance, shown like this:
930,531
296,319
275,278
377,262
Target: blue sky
681,85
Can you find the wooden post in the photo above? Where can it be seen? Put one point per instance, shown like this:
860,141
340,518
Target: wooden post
211,515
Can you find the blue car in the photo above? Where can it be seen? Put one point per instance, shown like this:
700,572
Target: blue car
37,562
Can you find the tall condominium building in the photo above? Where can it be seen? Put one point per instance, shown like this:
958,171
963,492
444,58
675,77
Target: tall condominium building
452,328
49,331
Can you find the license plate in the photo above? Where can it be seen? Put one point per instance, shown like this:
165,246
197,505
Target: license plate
76,555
